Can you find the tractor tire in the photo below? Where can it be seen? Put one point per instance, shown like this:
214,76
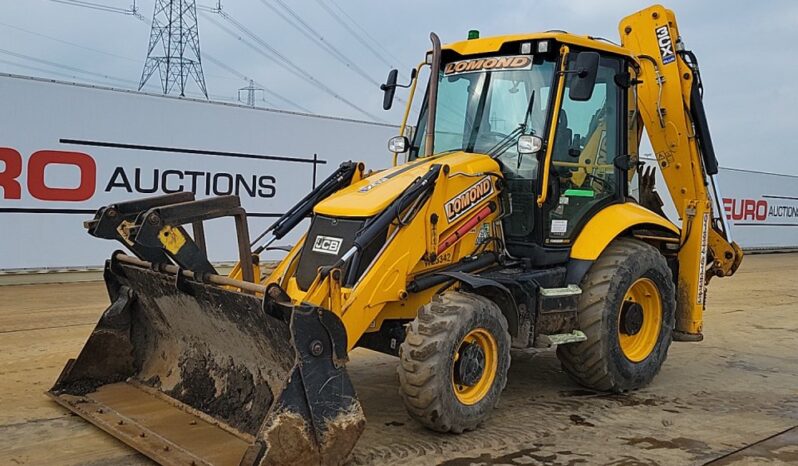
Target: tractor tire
626,310
454,362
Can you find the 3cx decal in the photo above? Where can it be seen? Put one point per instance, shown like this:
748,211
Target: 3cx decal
665,44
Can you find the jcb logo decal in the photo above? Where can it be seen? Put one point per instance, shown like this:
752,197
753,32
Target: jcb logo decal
327,244
665,44
466,200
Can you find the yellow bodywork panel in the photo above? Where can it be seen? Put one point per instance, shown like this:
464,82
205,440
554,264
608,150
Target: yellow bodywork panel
609,223
494,43
465,187
372,195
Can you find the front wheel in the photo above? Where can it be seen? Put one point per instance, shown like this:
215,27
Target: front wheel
454,362
627,312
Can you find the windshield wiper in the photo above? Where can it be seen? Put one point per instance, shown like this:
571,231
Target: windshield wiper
508,141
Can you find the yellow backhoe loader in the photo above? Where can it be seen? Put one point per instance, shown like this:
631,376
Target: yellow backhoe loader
509,224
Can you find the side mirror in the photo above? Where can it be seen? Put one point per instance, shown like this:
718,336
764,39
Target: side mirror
398,144
529,144
584,79
389,89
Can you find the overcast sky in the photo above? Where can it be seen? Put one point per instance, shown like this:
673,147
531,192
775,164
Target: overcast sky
744,49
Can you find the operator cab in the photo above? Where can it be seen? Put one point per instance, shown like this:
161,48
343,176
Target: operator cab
501,104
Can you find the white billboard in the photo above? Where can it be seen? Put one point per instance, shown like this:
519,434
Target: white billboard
66,150
761,208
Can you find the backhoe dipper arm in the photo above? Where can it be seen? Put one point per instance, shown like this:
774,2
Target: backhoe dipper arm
669,102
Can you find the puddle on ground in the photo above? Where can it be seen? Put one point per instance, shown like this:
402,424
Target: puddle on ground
534,455
695,447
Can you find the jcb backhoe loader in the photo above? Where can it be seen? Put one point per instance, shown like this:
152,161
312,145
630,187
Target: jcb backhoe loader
508,225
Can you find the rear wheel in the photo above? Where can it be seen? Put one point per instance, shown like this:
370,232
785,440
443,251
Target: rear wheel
627,313
454,362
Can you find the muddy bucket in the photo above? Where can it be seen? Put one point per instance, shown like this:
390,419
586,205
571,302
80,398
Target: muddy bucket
190,372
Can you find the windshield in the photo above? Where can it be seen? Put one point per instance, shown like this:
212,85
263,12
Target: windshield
485,104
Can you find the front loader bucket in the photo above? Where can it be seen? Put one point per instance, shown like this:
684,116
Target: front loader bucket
188,372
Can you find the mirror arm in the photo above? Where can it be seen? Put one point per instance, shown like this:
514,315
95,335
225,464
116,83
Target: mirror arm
581,73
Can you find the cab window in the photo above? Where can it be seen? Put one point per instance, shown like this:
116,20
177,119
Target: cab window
585,145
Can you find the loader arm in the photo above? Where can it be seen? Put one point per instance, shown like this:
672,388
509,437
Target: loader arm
668,96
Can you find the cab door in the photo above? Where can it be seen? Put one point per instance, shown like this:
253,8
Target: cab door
588,138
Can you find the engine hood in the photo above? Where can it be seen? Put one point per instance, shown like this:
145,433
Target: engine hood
372,195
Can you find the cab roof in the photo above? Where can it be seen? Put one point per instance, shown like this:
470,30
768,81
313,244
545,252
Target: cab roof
494,43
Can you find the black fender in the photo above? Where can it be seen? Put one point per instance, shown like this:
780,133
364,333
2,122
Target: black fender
494,291
576,269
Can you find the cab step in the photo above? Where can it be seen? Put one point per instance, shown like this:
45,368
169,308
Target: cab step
548,341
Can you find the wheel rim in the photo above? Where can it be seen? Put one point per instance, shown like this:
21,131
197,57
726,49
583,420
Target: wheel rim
640,320
470,388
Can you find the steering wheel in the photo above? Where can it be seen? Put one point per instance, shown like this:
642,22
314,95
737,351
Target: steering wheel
605,185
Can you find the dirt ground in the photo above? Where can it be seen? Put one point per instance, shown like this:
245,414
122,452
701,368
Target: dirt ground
732,398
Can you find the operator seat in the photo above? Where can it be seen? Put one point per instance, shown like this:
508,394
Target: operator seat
563,138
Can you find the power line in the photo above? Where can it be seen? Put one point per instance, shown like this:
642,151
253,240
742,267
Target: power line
366,33
210,58
67,67
366,43
280,59
176,31
250,44
55,39
51,72
241,75
133,11
275,56
67,42
75,77
308,31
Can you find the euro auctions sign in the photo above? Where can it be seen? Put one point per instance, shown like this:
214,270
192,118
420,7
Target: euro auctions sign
761,208
768,210
66,150
74,177
34,182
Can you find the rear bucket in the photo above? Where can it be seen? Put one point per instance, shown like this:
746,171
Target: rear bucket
192,373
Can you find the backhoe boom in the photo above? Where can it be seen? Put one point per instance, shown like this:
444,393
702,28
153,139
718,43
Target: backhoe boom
669,102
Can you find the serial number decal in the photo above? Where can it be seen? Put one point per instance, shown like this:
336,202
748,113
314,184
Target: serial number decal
512,62
665,44
373,185
327,244
457,206
444,258
702,264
